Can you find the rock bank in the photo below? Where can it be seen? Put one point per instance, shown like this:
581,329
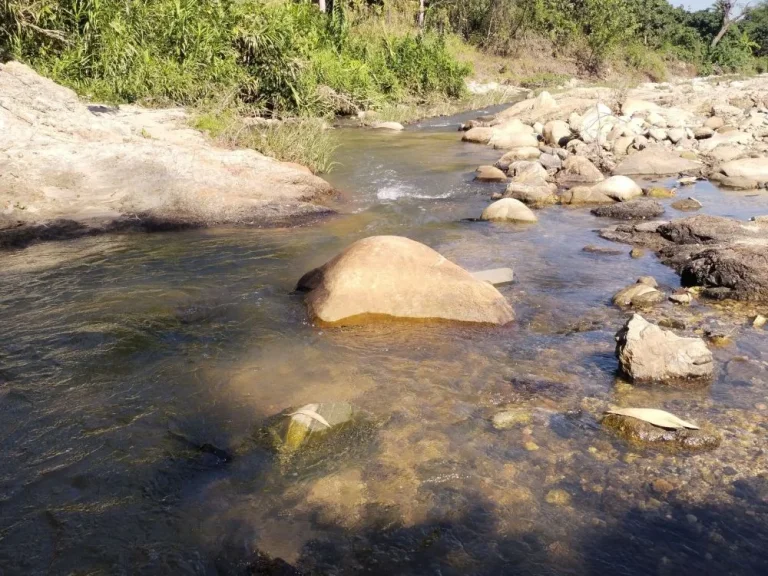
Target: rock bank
69,169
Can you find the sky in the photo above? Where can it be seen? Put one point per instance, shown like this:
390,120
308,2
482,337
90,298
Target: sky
693,5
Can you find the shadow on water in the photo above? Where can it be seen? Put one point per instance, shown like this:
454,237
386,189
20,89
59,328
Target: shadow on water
685,539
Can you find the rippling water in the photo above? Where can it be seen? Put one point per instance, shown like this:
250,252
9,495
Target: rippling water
130,364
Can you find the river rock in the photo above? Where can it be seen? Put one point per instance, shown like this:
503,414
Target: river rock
301,425
621,145
511,418
395,126
620,188
714,122
557,133
533,194
395,277
656,162
687,205
703,133
527,172
632,106
511,141
738,271
490,174
638,296
733,137
584,195
726,153
528,153
641,209
596,123
478,135
550,161
645,435
658,134
648,353
675,135
508,210
751,168
578,169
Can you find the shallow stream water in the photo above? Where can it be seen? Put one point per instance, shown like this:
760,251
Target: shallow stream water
132,367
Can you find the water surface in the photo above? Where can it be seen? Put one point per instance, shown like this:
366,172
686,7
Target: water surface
122,356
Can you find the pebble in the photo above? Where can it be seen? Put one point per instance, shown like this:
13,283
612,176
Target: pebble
759,321
662,486
558,497
637,253
531,446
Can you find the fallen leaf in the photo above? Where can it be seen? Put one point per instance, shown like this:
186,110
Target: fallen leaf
656,417
312,414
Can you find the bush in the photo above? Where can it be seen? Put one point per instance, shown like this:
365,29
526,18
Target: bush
284,58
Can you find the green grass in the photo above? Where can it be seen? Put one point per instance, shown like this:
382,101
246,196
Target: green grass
306,141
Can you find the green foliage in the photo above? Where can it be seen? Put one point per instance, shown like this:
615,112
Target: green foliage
306,141
284,58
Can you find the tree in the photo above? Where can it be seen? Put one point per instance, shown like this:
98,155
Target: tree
321,3
421,13
728,9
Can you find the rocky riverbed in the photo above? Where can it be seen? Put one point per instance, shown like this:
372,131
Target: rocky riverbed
161,389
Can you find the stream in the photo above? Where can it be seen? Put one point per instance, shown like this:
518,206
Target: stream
134,370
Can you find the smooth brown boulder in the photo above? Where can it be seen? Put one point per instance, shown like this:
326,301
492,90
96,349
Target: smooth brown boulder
508,210
394,277
490,174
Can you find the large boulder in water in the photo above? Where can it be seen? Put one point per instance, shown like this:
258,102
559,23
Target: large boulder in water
648,353
738,271
508,210
620,188
394,277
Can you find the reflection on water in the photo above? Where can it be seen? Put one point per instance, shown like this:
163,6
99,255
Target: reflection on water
130,365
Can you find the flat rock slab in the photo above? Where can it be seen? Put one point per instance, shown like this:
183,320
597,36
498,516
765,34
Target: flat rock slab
656,162
495,276
642,209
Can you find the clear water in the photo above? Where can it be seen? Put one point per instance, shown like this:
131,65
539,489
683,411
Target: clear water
121,356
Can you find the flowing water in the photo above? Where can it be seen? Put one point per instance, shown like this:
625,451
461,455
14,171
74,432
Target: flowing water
135,369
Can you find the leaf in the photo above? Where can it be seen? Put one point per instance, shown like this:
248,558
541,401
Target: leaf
311,414
656,417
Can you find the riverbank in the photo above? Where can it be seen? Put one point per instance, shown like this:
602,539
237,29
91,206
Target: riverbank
69,169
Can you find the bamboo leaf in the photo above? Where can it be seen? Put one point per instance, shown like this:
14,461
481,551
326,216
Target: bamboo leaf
656,417
311,414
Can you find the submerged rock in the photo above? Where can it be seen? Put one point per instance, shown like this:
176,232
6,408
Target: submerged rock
395,126
395,277
648,353
511,418
642,209
687,205
638,296
645,435
314,420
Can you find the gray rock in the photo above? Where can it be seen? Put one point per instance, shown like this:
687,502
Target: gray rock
642,209
687,205
647,353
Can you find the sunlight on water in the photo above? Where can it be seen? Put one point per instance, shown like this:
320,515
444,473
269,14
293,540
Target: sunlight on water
137,370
